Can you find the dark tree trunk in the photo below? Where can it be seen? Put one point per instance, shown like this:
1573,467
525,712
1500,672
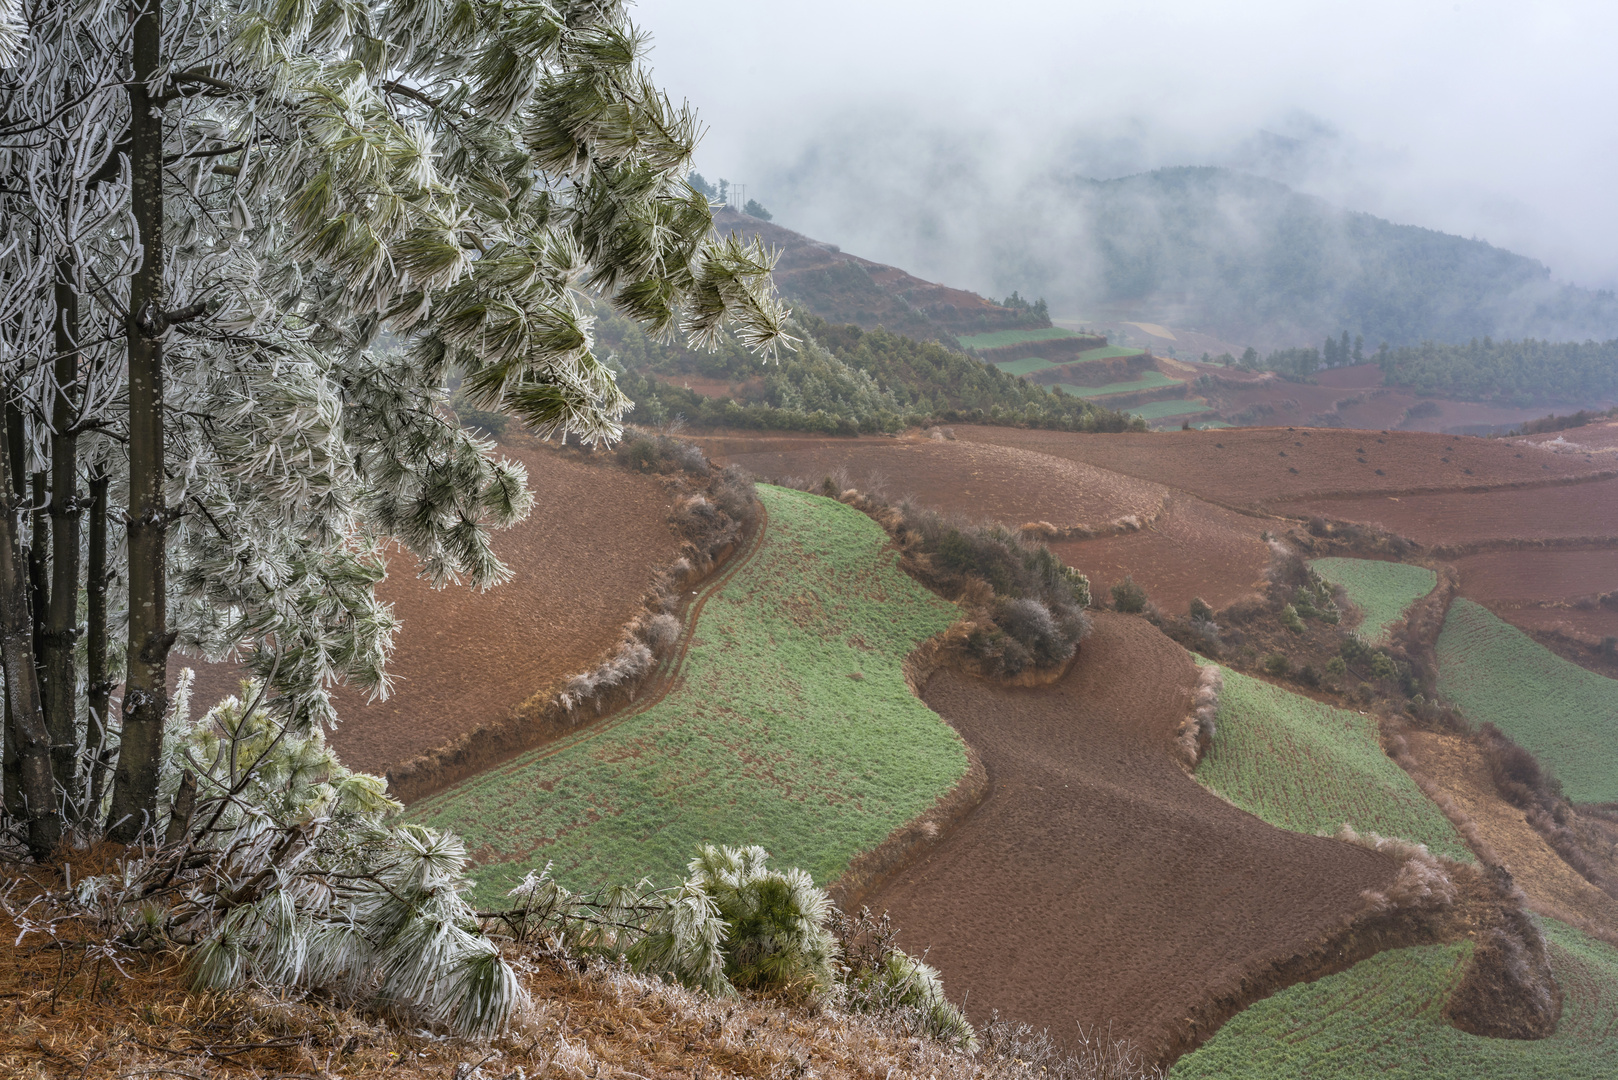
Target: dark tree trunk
17,645
98,689
134,787
11,767
58,668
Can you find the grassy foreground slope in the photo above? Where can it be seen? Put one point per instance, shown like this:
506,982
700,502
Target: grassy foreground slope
1382,590
1563,714
790,726
1303,765
1383,1018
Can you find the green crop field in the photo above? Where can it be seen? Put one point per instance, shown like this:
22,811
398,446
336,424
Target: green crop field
1383,1019
1014,337
1026,366
1564,715
790,726
1149,381
1382,590
1308,767
1108,352
1157,410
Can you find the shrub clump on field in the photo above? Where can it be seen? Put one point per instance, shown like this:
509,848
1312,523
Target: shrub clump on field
1129,597
1197,730
1035,617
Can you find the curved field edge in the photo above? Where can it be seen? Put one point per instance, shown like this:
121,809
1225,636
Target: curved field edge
1305,766
790,725
1565,715
1383,1018
1383,591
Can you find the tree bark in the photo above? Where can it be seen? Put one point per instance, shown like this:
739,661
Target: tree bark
11,766
17,646
58,666
134,788
98,689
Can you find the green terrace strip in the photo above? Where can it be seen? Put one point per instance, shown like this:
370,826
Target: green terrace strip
1109,352
1152,380
1564,715
1157,410
1013,337
1384,591
1026,366
1308,767
1383,1019
789,725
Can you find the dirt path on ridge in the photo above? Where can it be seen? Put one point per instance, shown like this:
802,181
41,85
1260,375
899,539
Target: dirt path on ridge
1098,884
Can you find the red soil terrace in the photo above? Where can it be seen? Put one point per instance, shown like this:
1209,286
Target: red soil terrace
580,566
1267,466
1139,895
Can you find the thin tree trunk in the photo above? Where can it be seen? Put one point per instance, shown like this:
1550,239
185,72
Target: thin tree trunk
98,690
11,766
59,669
17,645
12,447
134,785
39,570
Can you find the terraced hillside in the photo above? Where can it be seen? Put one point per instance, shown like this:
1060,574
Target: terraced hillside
1305,766
1383,591
1384,1019
1098,883
1565,716
789,724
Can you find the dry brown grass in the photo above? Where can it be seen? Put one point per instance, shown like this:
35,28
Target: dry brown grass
65,1015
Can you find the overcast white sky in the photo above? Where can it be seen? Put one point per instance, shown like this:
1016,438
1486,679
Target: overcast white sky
1479,117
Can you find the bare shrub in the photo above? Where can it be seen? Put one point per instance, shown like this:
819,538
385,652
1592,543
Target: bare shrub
1129,597
1197,731
1032,605
660,632
1422,883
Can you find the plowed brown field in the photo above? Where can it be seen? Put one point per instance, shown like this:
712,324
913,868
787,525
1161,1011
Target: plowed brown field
1097,883
978,481
1187,547
580,566
1194,548
1554,512
1266,466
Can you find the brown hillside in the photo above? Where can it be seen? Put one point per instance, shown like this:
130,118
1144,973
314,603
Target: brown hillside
1098,883
1275,466
843,288
1173,544
580,566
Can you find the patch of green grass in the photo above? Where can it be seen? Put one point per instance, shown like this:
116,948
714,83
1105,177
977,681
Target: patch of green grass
1384,591
1014,337
1383,1019
1564,715
1026,366
1108,352
790,726
1308,767
1152,380
1157,410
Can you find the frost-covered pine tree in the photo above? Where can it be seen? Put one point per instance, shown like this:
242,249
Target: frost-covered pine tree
244,249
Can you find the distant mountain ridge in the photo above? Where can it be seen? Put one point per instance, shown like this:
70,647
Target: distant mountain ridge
1252,259
844,288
